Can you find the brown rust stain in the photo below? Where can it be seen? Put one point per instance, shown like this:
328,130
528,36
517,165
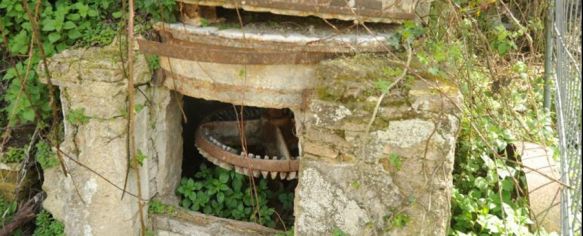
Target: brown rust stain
362,10
230,55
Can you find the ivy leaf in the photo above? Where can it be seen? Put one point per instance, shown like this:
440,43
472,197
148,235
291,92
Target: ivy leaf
54,37
73,17
382,85
82,9
48,25
92,13
116,14
395,161
186,203
28,115
69,25
224,178
74,34
19,44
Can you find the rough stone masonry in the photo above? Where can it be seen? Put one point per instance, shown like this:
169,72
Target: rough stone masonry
94,99
394,179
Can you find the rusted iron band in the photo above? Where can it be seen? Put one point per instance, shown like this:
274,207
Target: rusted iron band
324,45
364,9
230,55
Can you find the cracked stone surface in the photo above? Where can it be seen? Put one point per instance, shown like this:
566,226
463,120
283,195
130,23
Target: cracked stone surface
92,82
357,182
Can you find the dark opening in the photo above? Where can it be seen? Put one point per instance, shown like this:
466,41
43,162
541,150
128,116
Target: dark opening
225,193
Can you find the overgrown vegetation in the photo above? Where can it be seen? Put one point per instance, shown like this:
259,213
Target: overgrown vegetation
45,157
62,24
12,155
7,210
496,64
46,225
216,191
491,49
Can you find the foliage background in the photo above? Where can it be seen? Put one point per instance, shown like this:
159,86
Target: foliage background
491,49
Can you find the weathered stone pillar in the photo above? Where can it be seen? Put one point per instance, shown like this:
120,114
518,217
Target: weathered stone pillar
394,180
94,99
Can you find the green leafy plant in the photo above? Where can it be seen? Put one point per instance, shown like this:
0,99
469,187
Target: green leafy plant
489,58
157,207
338,232
45,155
77,117
12,155
227,194
63,24
289,232
395,161
399,220
7,210
22,105
46,225
140,158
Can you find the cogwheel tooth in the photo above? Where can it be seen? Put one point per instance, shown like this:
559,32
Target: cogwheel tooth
292,175
231,150
282,175
255,173
210,158
273,174
264,174
242,154
266,157
239,170
250,155
274,158
225,166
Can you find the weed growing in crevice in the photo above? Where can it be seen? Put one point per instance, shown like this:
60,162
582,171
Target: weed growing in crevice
12,155
46,225
45,156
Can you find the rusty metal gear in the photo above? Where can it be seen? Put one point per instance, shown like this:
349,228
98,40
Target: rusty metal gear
268,134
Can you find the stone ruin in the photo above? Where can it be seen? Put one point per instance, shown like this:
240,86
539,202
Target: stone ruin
352,176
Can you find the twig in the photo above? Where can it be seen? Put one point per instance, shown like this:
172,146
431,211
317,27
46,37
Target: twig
380,100
131,113
99,175
517,22
491,147
52,101
24,214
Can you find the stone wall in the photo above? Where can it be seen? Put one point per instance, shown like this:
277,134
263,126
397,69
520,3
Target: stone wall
184,222
94,99
392,177
394,180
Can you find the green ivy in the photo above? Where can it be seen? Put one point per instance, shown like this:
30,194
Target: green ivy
45,155
63,24
12,155
157,207
216,191
476,50
7,210
46,225
77,117
400,220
